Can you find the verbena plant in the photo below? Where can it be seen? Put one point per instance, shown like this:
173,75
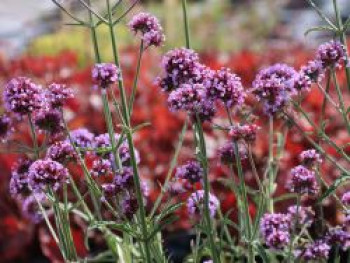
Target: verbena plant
114,195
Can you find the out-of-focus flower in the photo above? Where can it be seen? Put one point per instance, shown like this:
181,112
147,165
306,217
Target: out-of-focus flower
129,206
338,236
303,181
195,203
304,216
82,138
314,70
346,198
124,179
57,94
317,251
227,153
105,74
50,120
331,54
5,127
101,167
191,171
246,132
275,230
22,96
31,209
310,158
44,174
19,178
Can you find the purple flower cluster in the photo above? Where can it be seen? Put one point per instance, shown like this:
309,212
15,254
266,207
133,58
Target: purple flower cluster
225,86
275,230
124,154
46,173
246,132
317,250
82,138
313,70
5,127
305,215
149,27
30,207
227,153
338,236
195,203
124,179
105,74
101,167
181,66
57,94
188,97
48,119
22,96
274,86
331,54
191,171
310,158
19,179
346,198
129,206
303,181
62,152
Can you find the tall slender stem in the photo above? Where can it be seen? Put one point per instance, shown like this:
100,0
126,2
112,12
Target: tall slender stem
186,24
271,167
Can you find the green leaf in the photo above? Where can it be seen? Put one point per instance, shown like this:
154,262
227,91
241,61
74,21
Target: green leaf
167,211
263,254
161,225
318,29
124,227
333,187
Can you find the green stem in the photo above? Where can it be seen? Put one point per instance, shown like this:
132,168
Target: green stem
271,168
293,233
186,24
134,86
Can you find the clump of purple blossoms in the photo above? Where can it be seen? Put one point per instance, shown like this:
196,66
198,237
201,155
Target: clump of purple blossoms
195,203
149,27
22,96
5,127
101,167
303,181
274,87
19,178
105,74
314,70
346,198
124,179
191,171
46,173
338,236
305,215
129,206
30,207
226,87
180,66
227,153
82,138
275,230
124,154
103,141
47,119
331,54
57,94
246,132
317,250
310,158
62,152
302,82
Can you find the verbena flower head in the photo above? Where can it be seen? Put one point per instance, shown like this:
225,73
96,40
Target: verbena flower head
57,94
62,152
226,87
110,190
191,171
338,236
82,137
47,173
180,66
31,209
205,111
317,250
331,54
302,82
314,70
303,181
124,179
274,86
304,217
19,178
103,141
101,167
105,74
129,206
124,154
275,230
149,27
187,97
50,120
5,127
346,198
310,158
22,96
246,132
227,153
195,203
